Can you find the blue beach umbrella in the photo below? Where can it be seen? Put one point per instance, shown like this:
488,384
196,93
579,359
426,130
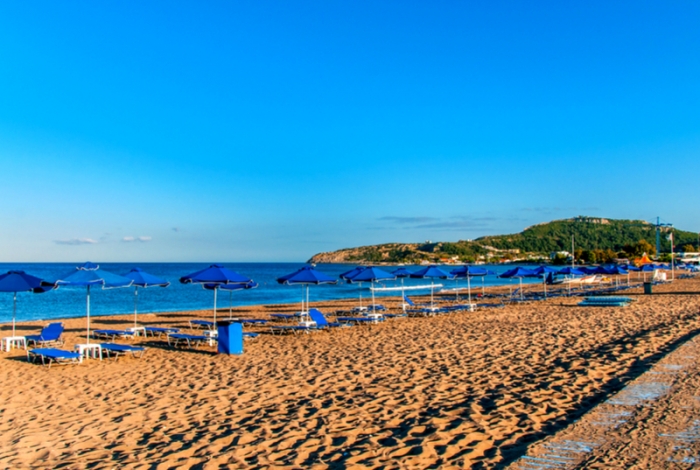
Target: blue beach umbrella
231,288
372,274
306,276
569,271
431,272
543,271
469,272
348,275
402,273
89,275
520,273
616,271
19,281
631,267
218,276
142,279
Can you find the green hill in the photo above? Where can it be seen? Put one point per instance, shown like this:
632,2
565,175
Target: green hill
596,240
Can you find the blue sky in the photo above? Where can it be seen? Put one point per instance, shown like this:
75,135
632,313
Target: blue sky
269,131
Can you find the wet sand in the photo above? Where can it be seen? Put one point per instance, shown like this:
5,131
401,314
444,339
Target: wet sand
450,391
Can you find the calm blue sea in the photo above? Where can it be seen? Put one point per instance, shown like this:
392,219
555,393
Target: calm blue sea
68,302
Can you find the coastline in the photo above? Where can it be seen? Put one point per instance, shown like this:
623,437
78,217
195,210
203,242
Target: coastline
464,389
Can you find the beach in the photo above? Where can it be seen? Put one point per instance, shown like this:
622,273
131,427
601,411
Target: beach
461,390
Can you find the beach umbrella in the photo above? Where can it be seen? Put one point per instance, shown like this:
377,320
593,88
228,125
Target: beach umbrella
347,275
402,273
142,279
431,272
469,272
231,288
306,276
520,273
89,275
19,281
218,276
616,271
570,271
543,271
372,274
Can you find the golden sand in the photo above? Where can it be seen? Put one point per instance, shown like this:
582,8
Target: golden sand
451,391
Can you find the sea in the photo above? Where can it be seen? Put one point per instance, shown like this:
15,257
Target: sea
67,302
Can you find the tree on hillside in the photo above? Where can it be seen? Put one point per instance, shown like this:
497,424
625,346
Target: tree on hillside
689,249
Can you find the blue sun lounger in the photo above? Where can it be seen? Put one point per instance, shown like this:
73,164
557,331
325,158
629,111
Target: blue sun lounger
251,321
159,330
176,339
202,324
321,321
50,334
113,334
122,350
50,356
285,316
290,329
359,320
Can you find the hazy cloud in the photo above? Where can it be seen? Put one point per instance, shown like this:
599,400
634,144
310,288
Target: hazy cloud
549,210
136,239
76,241
407,220
458,222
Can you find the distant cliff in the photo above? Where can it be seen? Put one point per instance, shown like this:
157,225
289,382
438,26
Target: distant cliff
597,239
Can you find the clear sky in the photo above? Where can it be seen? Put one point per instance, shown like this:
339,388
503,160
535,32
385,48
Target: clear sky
269,131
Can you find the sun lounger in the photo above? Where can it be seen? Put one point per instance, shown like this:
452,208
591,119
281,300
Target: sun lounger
250,335
122,350
282,329
176,339
605,302
321,321
50,356
202,324
285,316
160,331
251,321
395,315
50,334
113,334
359,320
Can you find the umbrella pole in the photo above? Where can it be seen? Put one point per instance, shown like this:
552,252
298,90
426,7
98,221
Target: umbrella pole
403,296
302,300
230,305
14,313
87,302
360,295
432,290
469,291
483,289
374,305
544,284
521,288
215,289
307,299
136,303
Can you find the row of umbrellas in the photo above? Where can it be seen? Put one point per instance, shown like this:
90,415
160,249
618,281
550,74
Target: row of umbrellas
217,277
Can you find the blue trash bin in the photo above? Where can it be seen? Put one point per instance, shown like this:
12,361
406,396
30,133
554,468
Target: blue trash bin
230,336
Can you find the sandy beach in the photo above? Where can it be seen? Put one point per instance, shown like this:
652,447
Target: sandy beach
464,390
